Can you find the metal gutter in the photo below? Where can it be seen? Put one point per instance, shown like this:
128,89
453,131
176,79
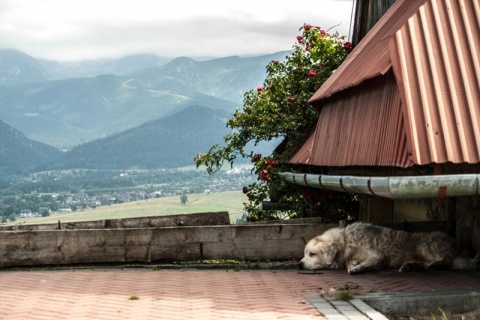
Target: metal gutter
406,187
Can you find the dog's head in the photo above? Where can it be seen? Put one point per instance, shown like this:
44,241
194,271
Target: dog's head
322,253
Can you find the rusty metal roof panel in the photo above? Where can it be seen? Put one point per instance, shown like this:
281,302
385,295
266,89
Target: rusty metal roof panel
371,57
304,155
436,60
363,127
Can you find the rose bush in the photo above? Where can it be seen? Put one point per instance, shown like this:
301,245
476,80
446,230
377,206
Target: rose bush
279,109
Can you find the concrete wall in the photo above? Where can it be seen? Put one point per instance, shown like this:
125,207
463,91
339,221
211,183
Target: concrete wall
146,245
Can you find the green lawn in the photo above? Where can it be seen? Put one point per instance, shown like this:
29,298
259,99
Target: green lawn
231,201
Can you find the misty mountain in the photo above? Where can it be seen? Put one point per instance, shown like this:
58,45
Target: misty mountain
169,142
91,68
65,113
18,68
226,78
18,153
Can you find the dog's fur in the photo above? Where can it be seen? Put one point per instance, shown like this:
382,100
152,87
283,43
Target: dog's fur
363,247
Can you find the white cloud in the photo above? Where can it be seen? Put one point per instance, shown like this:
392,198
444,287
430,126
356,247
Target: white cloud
88,29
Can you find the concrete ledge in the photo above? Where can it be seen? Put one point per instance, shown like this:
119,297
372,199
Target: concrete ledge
424,303
191,219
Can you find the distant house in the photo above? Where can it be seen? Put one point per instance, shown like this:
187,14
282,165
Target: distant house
399,120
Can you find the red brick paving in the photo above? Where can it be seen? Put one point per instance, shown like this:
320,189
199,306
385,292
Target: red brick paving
194,294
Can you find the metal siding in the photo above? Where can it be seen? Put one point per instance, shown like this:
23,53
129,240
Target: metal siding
363,127
437,65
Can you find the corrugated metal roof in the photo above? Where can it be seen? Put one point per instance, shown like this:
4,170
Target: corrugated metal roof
433,48
352,132
436,59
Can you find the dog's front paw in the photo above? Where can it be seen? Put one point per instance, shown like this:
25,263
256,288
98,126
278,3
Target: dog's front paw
405,267
354,270
411,266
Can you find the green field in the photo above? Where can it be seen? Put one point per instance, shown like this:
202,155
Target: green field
231,201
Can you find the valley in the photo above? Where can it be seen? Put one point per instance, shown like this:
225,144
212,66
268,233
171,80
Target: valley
67,194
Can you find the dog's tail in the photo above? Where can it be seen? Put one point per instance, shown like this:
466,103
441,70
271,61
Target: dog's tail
465,263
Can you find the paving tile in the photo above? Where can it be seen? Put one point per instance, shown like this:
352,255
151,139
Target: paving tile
198,294
367,310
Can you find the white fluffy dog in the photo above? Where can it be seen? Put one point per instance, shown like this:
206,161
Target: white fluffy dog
363,247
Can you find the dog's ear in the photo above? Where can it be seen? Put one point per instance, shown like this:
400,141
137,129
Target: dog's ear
330,251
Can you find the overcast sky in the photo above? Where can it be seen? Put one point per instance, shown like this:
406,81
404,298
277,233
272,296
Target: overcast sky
68,30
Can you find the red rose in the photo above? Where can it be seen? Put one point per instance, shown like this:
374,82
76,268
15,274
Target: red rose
245,190
265,176
275,61
347,45
291,99
307,27
312,74
256,157
259,89
307,48
300,39
322,32
271,162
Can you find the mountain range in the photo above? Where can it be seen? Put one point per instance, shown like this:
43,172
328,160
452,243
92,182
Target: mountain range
111,115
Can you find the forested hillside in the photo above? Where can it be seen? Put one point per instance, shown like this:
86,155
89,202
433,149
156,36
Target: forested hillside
169,142
20,154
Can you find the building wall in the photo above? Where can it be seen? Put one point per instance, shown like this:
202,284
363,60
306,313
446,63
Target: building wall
404,210
367,13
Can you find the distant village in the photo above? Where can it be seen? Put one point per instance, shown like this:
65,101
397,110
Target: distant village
38,203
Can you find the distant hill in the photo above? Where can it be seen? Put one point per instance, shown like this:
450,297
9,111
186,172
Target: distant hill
73,111
19,68
68,112
225,78
65,113
18,153
169,142
91,68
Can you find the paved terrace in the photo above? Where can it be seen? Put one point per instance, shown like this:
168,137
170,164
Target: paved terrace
199,294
